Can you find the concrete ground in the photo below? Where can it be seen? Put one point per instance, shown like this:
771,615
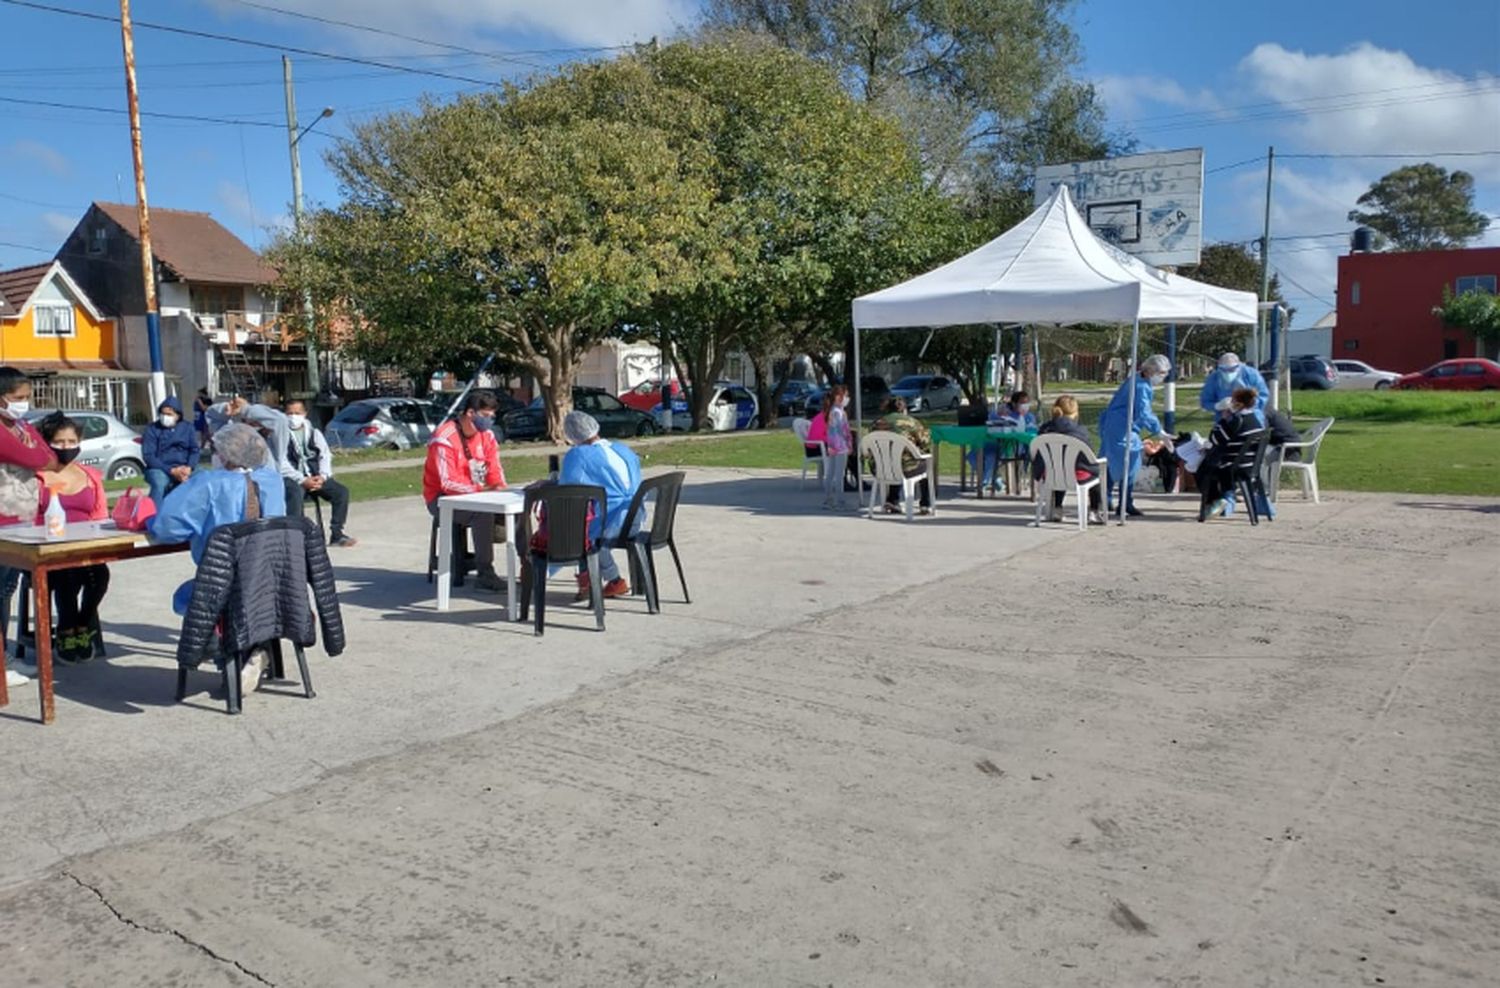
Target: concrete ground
956,752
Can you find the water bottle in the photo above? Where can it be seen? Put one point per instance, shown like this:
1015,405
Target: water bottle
56,518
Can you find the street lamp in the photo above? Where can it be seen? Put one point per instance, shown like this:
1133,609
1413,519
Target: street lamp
294,137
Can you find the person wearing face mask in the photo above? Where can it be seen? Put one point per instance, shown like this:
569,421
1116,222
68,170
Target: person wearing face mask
80,490
838,441
1124,452
1230,376
311,458
614,467
26,462
464,458
169,445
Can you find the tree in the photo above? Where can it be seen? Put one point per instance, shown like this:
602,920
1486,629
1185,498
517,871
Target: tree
960,75
1476,311
530,222
1422,207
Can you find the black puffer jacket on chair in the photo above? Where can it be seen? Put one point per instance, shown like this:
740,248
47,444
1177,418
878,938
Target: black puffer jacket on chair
255,574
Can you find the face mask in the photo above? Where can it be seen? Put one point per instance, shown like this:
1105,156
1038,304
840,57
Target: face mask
16,409
1156,379
65,456
484,423
1024,407
1229,373
296,420
168,420
844,402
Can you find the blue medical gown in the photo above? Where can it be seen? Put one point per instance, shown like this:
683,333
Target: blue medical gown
612,466
1217,387
1112,438
203,502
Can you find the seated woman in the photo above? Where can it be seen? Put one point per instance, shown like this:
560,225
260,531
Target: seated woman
1017,411
897,420
1238,419
80,491
1064,422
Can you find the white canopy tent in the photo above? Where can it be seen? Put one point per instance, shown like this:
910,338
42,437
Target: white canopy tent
1049,269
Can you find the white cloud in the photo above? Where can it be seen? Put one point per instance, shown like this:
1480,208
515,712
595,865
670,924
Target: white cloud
1127,95
240,211
60,224
26,151
573,22
1369,99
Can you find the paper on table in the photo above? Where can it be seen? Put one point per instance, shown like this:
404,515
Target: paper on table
1192,452
77,532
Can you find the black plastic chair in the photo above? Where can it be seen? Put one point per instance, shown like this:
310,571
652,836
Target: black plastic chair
1241,469
566,510
230,667
667,489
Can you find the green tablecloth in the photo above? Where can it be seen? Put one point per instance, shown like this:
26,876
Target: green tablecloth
976,437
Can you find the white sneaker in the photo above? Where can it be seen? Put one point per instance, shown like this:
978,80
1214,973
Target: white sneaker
13,678
253,669
22,666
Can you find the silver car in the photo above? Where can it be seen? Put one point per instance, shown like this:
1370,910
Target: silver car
384,423
927,392
108,445
1356,375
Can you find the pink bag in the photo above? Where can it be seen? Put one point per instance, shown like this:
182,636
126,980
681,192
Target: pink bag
132,511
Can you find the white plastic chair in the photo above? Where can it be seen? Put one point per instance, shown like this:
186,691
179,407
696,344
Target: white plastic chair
885,450
1060,455
1307,466
801,427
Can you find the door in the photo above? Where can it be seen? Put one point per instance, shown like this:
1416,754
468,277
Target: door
1442,376
409,422
612,415
744,407
1471,376
721,410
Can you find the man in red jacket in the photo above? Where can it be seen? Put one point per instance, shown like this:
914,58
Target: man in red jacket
463,458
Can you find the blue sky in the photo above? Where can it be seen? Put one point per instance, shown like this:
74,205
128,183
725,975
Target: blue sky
1312,77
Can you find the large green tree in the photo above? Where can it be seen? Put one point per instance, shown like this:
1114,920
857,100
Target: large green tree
1422,207
532,221
962,76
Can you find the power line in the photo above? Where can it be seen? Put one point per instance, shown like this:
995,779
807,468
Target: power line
1275,104
34,202
39,250
1210,121
1310,293
504,56
230,39
1237,164
115,109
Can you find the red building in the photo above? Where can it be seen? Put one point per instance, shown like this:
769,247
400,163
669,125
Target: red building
1386,301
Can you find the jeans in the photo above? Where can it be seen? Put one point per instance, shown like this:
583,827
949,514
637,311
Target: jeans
160,484
78,593
335,493
834,465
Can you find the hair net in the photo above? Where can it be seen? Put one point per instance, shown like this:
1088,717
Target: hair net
239,447
1229,361
1156,364
579,427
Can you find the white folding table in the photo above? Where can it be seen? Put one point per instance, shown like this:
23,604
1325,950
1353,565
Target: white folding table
507,503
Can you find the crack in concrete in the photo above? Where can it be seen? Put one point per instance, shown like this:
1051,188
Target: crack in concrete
166,931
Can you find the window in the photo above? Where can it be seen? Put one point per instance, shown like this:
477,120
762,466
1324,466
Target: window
586,401
52,320
1472,370
98,237
609,403
407,414
1450,349
1446,370
1351,344
1474,283
1354,294
92,425
216,300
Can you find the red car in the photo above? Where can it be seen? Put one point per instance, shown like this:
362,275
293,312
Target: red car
644,397
1463,374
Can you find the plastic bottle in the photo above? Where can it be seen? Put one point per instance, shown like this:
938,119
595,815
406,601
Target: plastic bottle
56,518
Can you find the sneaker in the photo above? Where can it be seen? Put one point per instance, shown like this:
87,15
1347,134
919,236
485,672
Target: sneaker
583,587
1095,518
13,678
1055,515
253,669
1131,511
343,541
64,647
828,505
489,580
27,669
1218,508
617,588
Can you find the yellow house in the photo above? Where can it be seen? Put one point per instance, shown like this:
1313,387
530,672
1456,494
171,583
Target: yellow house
47,322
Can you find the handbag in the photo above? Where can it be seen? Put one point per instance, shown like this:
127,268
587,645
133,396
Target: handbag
132,511
19,489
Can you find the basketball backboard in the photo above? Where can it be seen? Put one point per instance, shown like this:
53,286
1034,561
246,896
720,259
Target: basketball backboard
1148,205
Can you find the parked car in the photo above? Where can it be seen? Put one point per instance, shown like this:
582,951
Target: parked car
1463,374
730,407
1356,375
794,397
107,444
384,423
644,397
873,393
1308,373
926,392
616,419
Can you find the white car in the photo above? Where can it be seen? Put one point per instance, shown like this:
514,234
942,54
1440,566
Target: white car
1356,375
732,407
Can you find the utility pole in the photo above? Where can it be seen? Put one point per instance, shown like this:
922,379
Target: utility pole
143,213
294,137
1265,254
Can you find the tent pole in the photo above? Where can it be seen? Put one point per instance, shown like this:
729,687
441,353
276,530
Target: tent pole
999,364
858,416
1170,418
1036,365
1135,346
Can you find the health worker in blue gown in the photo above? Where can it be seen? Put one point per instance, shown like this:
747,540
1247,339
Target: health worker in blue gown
1230,376
1123,452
